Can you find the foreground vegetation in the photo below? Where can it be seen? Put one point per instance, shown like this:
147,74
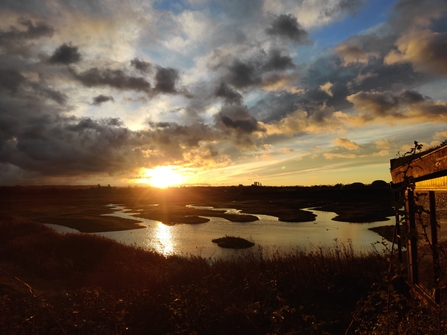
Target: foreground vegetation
84,284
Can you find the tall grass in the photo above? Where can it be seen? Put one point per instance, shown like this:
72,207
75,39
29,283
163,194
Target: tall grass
85,284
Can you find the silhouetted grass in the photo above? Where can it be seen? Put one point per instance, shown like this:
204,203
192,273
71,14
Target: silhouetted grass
86,284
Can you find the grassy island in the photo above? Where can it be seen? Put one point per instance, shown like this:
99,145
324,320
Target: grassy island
233,242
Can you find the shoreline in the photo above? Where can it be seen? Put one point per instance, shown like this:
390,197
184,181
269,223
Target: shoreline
82,208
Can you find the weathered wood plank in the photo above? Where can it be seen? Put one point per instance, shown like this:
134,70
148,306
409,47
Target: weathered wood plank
431,165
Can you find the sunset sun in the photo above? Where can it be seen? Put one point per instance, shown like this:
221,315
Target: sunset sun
163,176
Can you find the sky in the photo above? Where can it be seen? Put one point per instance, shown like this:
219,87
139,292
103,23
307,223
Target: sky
218,92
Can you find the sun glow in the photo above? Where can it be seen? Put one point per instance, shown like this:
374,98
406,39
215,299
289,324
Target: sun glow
163,176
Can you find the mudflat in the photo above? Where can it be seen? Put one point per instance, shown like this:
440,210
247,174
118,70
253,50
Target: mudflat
81,207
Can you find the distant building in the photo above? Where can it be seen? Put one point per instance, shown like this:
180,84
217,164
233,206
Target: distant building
256,183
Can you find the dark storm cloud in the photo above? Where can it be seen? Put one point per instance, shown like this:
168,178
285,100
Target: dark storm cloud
172,141
286,26
65,54
36,135
99,125
364,69
165,80
142,66
261,69
278,62
239,119
226,92
10,80
32,31
412,97
274,107
429,56
41,140
101,98
239,127
19,40
14,83
243,74
403,105
345,80
88,146
407,12
37,139
59,97
187,135
246,126
161,125
380,103
112,78
361,66
53,145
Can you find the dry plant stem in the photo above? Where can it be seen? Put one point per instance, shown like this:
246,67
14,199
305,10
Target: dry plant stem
31,291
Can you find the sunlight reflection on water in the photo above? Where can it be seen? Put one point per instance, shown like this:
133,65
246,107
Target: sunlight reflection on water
269,233
163,234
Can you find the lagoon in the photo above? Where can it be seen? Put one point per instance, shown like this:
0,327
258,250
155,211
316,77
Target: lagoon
268,232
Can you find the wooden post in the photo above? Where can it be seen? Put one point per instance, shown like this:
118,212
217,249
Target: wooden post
412,251
434,242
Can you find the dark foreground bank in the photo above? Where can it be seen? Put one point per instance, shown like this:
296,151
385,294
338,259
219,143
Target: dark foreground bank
83,284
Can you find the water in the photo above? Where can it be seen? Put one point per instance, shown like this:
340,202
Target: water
268,232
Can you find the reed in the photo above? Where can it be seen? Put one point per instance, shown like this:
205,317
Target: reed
84,284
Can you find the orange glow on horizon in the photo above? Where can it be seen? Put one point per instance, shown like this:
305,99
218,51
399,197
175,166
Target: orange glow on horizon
162,177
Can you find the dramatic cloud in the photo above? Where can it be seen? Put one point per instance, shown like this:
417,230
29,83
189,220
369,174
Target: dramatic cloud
112,78
350,54
142,66
230,95
238,118
230,85
165,79
407,105
317,13
243,75
286,26
424,49
10,80
102,98
33,31
264,70
278,62
65,54
58,146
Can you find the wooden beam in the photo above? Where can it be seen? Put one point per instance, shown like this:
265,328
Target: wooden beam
431,165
